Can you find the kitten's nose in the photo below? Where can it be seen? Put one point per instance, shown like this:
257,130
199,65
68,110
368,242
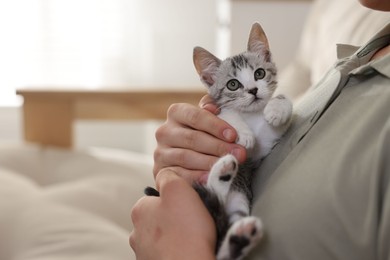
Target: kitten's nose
253,91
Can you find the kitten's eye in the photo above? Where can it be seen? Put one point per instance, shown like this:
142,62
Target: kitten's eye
233,84
259,74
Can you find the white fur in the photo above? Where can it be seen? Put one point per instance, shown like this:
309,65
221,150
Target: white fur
236,202
246,136
268,127
246,77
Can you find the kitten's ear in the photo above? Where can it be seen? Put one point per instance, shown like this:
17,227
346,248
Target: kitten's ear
258,41
206,65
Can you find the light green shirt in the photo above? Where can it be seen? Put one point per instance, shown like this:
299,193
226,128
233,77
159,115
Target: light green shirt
323,192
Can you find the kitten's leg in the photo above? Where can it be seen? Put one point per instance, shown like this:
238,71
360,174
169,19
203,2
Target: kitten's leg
222,174
237,206
278,111
245,136
242,236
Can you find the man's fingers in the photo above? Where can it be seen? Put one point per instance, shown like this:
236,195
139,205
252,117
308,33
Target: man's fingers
202,120
184,158
208,103
191,176
141,213
141,206
170,183
195,140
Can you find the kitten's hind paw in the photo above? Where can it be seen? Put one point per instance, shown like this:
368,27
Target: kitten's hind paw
242,236
225,168
222,174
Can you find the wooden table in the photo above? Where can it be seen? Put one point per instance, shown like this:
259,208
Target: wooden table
48,115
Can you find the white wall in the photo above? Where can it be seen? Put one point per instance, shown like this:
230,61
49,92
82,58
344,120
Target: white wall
95,43
10,124
282,22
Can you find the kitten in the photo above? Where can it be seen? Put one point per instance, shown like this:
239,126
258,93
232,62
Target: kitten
242,86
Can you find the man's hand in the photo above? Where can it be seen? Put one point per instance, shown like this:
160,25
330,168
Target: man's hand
192,139
175,225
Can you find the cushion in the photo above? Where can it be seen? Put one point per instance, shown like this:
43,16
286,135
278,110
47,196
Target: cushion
59,204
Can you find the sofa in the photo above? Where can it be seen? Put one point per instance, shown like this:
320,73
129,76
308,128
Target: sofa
60,204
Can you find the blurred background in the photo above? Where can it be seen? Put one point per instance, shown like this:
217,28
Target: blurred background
91,44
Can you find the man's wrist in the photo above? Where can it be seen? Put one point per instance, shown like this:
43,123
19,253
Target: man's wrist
194,251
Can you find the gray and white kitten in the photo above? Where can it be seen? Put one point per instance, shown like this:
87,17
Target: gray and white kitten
242,86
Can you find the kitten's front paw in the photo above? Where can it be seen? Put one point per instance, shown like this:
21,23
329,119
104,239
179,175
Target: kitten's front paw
242,236
246,140
278,111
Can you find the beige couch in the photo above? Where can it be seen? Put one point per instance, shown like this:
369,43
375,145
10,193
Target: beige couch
57,204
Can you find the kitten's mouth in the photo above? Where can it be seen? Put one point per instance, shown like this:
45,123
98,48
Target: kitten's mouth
256,99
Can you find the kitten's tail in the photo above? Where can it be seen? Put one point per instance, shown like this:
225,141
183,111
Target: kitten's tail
149,191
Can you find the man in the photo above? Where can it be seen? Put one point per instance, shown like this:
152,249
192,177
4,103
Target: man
323,192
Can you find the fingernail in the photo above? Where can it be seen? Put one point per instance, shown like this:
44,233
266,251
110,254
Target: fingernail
211,108
203,179
238,153
203,105
228,134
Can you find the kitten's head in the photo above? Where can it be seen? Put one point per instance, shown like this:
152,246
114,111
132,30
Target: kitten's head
246,81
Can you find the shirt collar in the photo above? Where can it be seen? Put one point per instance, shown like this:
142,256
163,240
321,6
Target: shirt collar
364,53
382,65
345,50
